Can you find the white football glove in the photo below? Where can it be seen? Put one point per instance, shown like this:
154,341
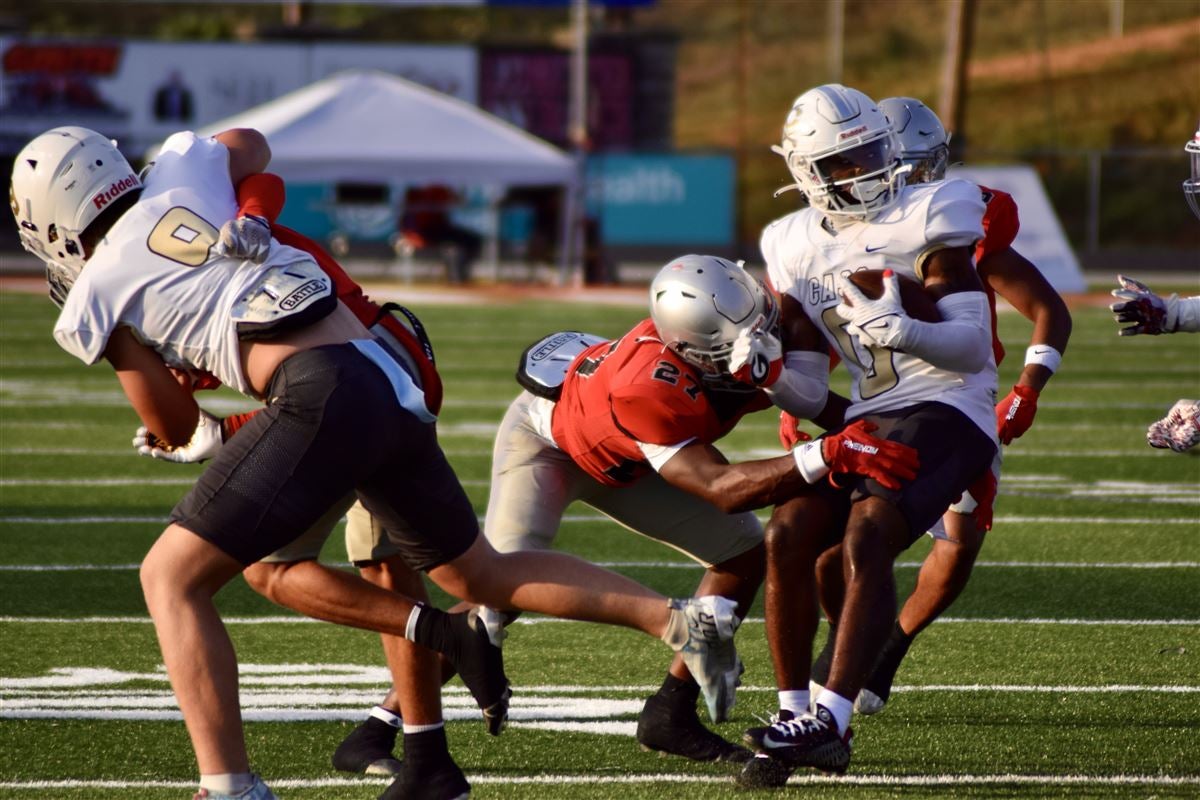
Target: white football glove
874,321
205,442
1179,430
247,237
756,357
1149,313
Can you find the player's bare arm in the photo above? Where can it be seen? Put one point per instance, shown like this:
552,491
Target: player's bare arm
949,270
702,470
1019,282
165,407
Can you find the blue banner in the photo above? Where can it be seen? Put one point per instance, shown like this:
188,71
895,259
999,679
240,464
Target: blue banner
650,199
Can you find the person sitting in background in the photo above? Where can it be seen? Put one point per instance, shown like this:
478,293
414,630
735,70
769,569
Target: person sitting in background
426,222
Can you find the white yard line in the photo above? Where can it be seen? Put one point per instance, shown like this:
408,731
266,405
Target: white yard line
592,779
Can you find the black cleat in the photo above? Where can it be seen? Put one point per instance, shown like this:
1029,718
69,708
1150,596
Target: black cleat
368,750
763,772
443,782
810,740
676,729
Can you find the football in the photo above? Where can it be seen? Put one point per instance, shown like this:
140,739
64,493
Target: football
918,303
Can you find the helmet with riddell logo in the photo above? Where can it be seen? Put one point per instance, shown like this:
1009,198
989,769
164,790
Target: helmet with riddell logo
842,151
62,181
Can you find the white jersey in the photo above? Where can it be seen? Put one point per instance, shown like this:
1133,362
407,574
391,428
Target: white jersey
158,273
809,259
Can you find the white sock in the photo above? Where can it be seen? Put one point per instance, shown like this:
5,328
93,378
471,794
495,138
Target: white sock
423,728
794,700
227,782
840,707
384,715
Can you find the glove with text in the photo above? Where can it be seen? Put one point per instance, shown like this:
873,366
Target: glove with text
874,321
1014,414
1149,313
855,450
247,237
205,442
756,358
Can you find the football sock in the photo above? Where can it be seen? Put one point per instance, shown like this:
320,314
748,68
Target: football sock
429,627
386,716
433,726
426,746
227,782
794,700
898,638
840,707
679,691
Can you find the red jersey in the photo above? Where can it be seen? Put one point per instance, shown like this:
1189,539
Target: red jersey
636,389
1000,225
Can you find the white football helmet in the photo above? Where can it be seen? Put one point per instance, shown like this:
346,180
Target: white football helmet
62,181
700,304
842,151
1191,188
924,143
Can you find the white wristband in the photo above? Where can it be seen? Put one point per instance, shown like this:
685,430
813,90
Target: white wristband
811,461
1044,355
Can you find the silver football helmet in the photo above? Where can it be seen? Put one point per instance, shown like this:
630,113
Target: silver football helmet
62,181
1191,188
924,143
700,304
842,151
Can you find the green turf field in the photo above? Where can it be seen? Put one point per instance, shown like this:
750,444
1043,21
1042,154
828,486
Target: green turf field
1069,668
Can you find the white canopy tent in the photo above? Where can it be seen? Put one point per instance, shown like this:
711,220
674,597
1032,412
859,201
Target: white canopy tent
373,127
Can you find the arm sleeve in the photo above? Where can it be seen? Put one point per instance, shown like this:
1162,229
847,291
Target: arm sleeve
961,342
1189,315
803,386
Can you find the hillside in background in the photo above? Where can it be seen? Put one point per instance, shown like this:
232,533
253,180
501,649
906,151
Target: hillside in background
1102,117
1045,77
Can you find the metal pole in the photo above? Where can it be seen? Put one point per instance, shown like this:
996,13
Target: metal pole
1116,18
577,136
952,104
837,35
1093,202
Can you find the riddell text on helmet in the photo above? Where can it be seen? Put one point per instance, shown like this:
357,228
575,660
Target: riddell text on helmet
114,191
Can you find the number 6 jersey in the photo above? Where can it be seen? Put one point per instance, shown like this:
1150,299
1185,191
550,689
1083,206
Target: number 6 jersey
809,258
158,272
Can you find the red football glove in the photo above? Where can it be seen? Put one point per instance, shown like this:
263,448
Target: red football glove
984,492
854,450
1014,414
790,434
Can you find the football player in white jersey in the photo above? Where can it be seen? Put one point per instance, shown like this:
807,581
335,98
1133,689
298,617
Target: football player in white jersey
924,144
144,287
929,385
1150,314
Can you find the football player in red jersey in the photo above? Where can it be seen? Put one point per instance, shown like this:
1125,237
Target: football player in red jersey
959,536
629,429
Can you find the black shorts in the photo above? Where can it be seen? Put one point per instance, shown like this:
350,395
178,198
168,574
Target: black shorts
332,426
953,450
